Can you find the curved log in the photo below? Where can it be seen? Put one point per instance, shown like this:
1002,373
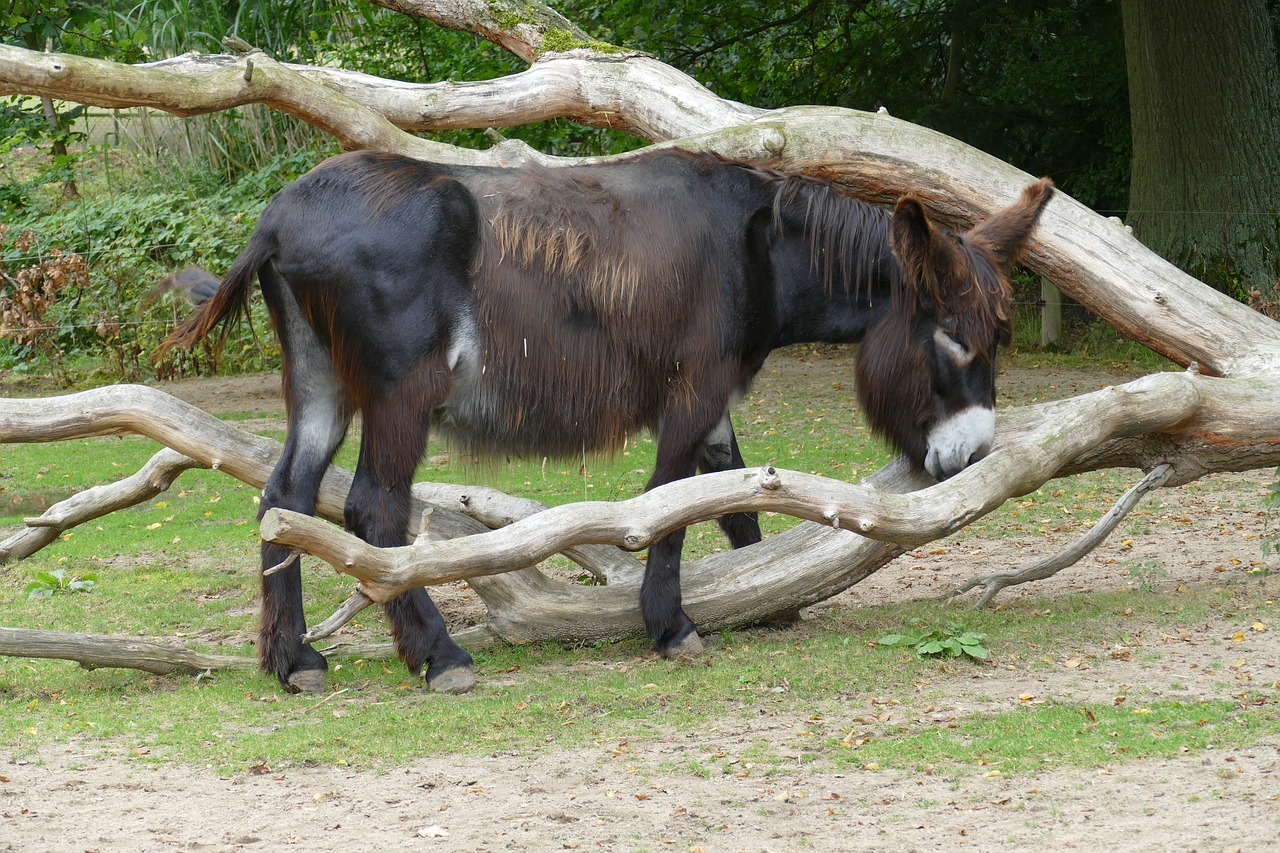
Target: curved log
992,583
154,477
93,651
875,156
204,441
1060,432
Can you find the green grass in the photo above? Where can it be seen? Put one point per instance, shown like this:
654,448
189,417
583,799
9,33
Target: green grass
182,567
826,672
1055,735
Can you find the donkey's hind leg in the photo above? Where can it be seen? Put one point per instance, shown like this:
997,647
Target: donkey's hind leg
394,437
318,419
719,452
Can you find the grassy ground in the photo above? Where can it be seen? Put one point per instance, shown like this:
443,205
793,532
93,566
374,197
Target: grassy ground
181,568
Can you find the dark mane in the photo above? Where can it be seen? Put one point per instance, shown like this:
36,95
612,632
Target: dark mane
846,236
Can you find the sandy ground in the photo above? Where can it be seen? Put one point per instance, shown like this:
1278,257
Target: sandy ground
632,799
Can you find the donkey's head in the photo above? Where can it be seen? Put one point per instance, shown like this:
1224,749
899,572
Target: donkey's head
926,373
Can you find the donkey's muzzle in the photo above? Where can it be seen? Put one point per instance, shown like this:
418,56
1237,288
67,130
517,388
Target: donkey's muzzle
959,441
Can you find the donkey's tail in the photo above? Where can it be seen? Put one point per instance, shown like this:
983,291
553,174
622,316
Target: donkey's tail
231,299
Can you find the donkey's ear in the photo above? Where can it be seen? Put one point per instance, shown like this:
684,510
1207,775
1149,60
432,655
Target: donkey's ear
922,251
1005,233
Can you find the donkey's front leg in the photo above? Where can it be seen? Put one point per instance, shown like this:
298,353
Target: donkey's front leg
672,631
680,435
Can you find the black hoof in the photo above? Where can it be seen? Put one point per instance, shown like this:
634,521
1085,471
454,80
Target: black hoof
682,642
304,681
458,679
689,646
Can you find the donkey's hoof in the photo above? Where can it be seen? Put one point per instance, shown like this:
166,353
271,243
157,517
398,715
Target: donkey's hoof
458,679
690,646
305,681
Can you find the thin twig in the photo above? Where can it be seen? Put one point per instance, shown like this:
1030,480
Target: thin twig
325,699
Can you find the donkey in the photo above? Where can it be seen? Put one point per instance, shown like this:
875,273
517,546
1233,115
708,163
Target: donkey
548,311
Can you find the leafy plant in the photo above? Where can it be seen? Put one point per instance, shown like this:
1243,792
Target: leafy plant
56,581
31,290
1146,573
951,642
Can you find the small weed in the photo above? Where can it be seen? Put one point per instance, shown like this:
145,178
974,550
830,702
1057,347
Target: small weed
1146,573
48,583
952,642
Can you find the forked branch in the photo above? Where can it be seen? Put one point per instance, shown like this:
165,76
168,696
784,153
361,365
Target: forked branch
992,584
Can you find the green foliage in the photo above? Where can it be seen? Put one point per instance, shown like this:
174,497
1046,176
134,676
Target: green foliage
58,581
953,641
1041,85
131,237
289,29
23,124
1146,572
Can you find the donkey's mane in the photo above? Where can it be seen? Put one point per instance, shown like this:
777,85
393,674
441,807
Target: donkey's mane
848,238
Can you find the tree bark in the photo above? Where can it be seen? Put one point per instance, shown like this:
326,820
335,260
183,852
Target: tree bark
96,652
1204,100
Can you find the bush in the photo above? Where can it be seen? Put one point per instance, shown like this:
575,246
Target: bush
108,315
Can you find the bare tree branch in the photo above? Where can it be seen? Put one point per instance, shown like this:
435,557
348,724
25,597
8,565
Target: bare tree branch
518,26
154,477
96,652
205,441
992,584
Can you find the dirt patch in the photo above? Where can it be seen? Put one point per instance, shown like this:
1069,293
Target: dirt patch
585,800
641,798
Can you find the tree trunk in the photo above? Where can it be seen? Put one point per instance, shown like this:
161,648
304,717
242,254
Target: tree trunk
1204,96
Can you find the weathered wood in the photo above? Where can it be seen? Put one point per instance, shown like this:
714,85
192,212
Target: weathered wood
94,651
907,520
99,651
991,584
156,476
204,441
874,156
